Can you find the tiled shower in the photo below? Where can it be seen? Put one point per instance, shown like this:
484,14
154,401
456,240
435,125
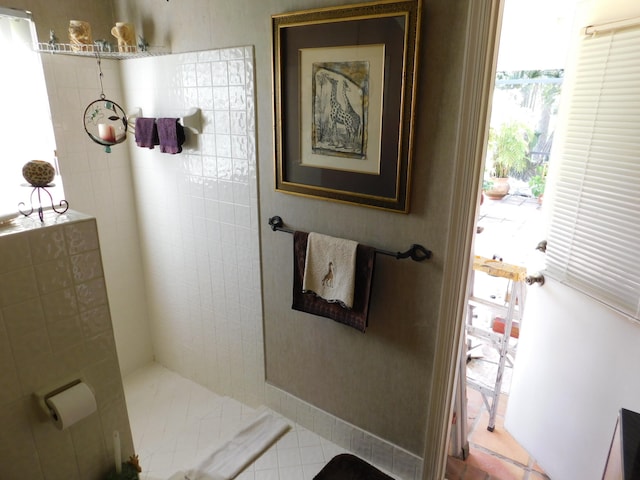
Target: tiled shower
198,219
194,283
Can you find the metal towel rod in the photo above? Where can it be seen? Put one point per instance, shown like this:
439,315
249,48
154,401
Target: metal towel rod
417,252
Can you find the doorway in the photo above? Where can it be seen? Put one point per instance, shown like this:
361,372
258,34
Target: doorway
507,222
509,228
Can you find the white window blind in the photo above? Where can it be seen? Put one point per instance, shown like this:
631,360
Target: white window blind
594,227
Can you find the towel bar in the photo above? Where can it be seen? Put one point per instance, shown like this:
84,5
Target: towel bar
192,120
417,252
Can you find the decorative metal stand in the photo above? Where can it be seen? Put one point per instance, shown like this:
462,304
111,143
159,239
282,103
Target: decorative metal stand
64,205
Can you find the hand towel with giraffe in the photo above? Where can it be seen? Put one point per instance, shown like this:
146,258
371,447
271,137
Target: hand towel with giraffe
330,268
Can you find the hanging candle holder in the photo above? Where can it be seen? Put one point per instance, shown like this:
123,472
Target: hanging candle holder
104,120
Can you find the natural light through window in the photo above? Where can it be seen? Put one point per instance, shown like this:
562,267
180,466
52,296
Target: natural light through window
25,121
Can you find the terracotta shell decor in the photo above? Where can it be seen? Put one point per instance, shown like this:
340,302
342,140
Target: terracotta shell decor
126,35
38,173
80,36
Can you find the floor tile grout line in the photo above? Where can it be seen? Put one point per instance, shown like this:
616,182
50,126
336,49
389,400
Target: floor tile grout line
531,463
476,422
500,456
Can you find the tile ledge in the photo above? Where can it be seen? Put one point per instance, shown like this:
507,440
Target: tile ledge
18,223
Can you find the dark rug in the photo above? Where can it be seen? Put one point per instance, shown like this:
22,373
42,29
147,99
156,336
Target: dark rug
349,467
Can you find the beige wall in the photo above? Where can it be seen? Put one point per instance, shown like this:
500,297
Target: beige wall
378,381
55,16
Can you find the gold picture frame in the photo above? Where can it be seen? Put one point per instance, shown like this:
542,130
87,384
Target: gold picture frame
344,99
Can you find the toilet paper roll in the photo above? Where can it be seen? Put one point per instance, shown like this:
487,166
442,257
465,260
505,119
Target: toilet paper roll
71,405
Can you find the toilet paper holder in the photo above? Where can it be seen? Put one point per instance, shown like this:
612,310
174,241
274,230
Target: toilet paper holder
43,395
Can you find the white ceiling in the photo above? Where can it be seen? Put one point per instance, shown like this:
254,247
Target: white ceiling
537,34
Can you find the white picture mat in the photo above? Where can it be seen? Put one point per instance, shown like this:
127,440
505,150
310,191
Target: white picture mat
374,54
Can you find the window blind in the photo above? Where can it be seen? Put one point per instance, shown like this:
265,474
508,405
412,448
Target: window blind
594,219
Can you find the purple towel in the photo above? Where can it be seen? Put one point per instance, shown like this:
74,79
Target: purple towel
146,132
356,317
171,135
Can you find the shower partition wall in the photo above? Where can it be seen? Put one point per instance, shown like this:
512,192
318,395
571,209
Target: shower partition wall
198,220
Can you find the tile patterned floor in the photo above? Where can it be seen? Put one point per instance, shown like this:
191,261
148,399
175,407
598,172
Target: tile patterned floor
493,455
176,422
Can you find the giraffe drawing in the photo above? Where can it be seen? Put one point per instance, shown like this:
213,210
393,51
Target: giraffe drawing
339,115
355,132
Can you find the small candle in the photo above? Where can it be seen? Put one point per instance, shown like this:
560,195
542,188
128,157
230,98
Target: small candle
116,451
106,132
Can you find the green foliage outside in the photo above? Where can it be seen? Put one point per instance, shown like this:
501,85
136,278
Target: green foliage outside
510,148
521,149
538,181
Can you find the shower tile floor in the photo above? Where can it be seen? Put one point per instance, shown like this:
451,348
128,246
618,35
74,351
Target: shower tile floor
175,423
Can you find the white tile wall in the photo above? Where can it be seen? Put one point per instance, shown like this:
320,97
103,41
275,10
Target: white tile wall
99,183
198,219
55,325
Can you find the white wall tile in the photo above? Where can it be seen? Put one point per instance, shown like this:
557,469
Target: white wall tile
405,465
43,344
53,445
95,321
203,72
27,347
54,275
46,245
9,383
22,318
99,183
15,254
91,294
382,454
18,286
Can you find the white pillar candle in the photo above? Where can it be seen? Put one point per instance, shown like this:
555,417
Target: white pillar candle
116,451
106,132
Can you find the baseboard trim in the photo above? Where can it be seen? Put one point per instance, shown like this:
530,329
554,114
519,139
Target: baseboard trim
381,453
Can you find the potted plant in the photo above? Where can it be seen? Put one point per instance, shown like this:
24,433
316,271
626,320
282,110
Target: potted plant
510,154
538,182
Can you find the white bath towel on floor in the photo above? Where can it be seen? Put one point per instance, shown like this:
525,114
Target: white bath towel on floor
330,268
239,452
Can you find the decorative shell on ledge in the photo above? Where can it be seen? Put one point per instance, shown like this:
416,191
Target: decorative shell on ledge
38,173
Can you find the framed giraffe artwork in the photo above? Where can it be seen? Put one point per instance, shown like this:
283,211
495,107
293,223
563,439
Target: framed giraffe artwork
344,88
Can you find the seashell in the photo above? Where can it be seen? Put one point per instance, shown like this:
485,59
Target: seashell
38,173
80,36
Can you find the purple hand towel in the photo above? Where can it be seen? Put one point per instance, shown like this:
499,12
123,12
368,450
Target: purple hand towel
171,135
146,132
